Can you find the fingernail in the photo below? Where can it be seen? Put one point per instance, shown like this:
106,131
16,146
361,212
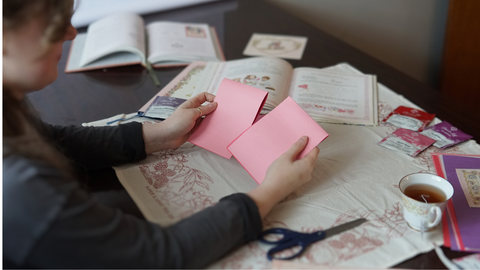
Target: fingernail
213,104
303,139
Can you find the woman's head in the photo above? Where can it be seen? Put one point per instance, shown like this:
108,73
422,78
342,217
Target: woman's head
33,34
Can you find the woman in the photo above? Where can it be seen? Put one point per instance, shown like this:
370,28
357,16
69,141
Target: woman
50,221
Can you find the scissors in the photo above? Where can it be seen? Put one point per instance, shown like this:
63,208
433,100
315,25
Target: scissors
303,240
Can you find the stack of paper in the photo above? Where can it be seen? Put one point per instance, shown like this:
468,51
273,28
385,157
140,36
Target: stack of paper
460,225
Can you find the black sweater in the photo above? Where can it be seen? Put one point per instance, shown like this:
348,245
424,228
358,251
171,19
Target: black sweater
50,221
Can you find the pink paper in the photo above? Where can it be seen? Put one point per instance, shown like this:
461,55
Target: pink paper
274,134
238,106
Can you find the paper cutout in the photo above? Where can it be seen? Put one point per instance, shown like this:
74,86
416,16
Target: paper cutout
470,182
238,106
162,107
282,46
462,221
272,135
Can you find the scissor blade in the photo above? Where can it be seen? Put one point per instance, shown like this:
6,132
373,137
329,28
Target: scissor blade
344,227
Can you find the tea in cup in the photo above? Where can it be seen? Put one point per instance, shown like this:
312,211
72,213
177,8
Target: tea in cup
424,198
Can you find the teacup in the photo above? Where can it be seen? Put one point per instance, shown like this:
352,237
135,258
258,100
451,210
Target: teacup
424,199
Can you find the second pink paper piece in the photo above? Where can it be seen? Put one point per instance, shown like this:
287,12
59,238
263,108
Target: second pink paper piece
273,135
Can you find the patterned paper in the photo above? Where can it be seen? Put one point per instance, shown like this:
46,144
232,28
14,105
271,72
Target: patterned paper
470,182
406,141
289,47
162,107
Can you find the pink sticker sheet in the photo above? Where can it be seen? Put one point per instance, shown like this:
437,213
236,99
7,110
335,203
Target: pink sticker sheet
238,107
273,135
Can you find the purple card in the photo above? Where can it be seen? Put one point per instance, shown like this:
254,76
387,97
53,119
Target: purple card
445,135
162,107
467,218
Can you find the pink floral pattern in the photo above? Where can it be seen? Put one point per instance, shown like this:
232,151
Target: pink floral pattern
378,231
175,184
384,109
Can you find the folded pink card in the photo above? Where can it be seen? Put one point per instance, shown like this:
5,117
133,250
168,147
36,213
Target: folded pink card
238,106
273,135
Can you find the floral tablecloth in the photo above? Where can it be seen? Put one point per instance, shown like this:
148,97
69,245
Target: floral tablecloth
354,177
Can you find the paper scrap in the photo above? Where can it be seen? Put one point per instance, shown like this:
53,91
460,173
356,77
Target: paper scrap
273,135
238,106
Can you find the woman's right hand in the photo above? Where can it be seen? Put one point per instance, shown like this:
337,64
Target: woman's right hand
284,176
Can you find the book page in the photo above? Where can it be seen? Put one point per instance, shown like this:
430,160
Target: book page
334,97
111,60
170,41
113,34
269,74
182,86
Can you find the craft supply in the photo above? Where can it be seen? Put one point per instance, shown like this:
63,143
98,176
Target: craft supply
292,239
406,141
238,107
409,118
273,135
445,134
463,220
162,107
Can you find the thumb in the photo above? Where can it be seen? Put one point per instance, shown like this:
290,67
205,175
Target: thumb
297,147
207,109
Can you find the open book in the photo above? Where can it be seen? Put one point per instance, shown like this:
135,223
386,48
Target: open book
123,39
329,95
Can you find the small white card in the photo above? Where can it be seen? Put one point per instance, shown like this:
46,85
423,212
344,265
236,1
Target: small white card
288,47
470,181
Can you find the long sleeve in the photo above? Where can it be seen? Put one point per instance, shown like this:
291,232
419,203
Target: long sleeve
50,222
97,147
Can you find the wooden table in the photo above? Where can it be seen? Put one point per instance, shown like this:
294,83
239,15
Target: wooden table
83,97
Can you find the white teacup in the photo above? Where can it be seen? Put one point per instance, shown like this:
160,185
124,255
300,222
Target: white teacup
424,199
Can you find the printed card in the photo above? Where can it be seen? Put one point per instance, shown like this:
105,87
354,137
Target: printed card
238,107
289,47
273,135
162,107
445,134
409,118
406,141
470,182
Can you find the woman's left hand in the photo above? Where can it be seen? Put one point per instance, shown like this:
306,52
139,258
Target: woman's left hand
177,128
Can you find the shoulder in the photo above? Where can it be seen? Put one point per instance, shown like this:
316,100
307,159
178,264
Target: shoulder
33,196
